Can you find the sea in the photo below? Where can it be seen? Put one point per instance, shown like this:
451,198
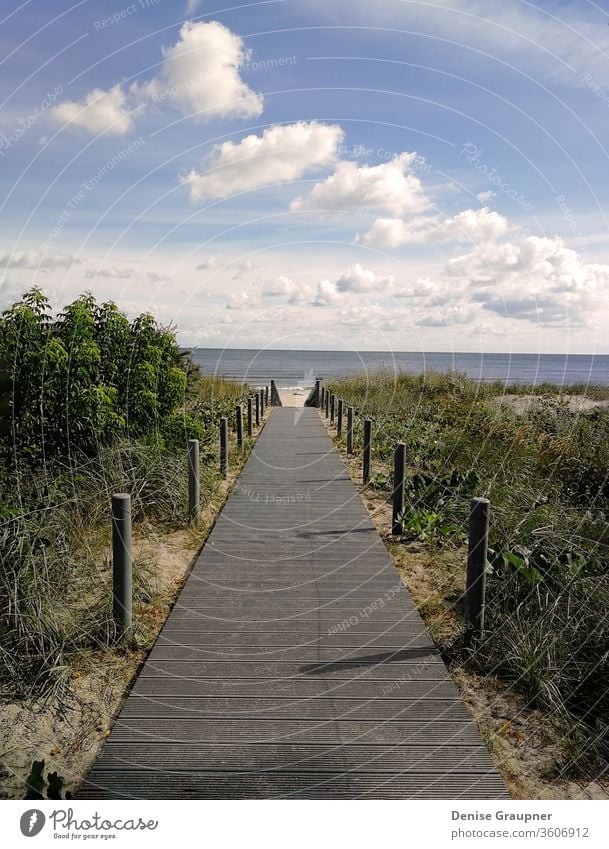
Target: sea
299,369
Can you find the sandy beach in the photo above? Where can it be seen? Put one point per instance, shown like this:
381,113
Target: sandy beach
290,398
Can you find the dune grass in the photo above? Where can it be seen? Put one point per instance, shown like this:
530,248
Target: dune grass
546,472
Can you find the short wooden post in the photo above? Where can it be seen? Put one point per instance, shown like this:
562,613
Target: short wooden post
122,563
323,397
224,447
239,426
275,396
317,392
262,402
250,415
399,467
257,409
327,403
339,420
475,587
349,430
266,396
194,501
367,449
332,407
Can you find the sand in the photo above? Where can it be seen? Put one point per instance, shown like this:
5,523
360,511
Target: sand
522,404
293,399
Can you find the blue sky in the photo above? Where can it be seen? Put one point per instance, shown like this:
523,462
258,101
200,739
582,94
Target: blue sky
397,175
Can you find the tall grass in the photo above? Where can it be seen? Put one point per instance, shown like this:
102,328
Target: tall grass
546,472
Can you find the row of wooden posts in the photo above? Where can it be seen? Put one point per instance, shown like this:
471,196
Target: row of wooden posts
334,409
122,557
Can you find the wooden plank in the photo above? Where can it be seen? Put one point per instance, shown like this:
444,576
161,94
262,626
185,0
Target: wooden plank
286,757
185,702
199,784
294,663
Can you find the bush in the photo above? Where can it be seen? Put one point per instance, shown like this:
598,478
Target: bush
84,379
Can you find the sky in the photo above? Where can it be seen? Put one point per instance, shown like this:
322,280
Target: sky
316,174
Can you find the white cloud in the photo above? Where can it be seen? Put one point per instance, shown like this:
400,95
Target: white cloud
242,268
211,263
112,272
388,186
470,225
326,293
357,278
554,42
391,232
537,279
199,75
100,111
242,300
455,314
192,6
36,260
281,154
156,277
11,292
485,197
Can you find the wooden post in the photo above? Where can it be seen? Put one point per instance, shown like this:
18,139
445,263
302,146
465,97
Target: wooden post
122,562
367,449
275,396
327,403
266,396
349,430
257,409
194,501
224,447
317,392
239,426
399,467
332,407
250,422
339,421
323,397
475,587
262,402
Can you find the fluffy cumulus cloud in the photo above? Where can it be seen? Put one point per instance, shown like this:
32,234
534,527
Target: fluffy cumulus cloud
536,279
348,287
199,75
281,154
357,278
389,186
99,111
36,260
470,225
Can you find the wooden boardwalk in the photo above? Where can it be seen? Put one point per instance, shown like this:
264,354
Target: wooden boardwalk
294,663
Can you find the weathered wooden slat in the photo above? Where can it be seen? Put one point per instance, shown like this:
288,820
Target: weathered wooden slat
213,784
305,731
184,701
286,757
294,663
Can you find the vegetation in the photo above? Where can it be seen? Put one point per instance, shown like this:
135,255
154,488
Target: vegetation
90,403
546,472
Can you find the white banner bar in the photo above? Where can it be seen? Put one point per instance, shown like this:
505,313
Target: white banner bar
305,825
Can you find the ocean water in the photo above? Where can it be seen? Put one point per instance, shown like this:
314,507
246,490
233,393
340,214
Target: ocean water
300,368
